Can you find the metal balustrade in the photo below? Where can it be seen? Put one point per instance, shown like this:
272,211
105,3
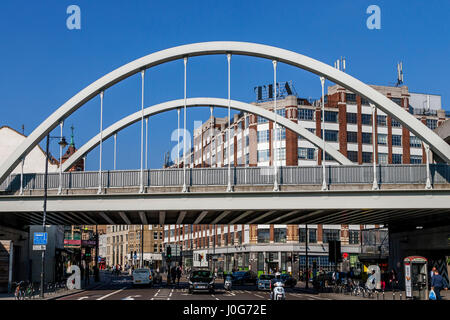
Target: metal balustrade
402,174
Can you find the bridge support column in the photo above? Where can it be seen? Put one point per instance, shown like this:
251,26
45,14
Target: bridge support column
374,146
324,180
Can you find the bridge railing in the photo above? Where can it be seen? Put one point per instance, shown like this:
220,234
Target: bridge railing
311,175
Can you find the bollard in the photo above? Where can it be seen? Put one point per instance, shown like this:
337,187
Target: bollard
393,295
377,296
400,295
383,294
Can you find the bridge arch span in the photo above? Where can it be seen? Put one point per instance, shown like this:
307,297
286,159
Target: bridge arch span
198,102
225,47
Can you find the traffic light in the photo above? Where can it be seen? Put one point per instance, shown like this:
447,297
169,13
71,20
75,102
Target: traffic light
169,252
295,257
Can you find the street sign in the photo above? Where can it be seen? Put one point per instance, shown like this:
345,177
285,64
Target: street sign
39,247
40,238
345,255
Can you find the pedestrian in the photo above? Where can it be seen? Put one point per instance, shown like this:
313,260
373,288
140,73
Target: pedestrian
393,280
432,274
383,279
173,273
178,275
437,284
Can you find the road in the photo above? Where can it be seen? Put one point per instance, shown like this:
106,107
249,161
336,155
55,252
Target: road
121,288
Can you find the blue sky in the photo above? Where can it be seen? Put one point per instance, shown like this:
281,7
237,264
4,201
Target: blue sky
43,63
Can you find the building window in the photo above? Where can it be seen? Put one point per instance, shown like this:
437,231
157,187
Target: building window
263,155
312,130
364,101
396,158
381,120
247,159
280,235
312,235
280,153
155,235
415,142
239,237
155,248
306,153
247,141
367,157
382,139
353,237
302,235
415,159
331,234
263,136
352,136
396,140
331,135
331,116
395,123
351,117
366,138
262,120
382,158
352,156
350,97
366,119
305,114
397,101
280,134
281,112
263,235
431,123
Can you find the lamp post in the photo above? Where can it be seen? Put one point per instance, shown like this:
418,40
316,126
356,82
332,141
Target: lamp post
62,144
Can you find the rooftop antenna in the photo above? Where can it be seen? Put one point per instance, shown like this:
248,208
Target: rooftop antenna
23,129
399,73
340,64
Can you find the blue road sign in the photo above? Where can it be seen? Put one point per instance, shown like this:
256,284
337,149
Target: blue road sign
40,238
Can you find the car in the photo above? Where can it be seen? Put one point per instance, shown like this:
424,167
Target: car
264,281
201,280
244,277
288,280
142,276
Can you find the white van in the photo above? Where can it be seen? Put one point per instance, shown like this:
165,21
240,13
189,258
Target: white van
142,276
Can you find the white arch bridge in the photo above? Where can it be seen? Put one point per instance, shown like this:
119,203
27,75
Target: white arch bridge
252,201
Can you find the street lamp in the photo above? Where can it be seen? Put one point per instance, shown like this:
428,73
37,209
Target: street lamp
63,144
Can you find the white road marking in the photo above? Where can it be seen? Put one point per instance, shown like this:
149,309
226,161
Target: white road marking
259,296
82,298
214,297
110,294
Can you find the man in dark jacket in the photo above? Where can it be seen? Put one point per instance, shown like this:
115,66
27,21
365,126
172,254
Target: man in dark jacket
437,284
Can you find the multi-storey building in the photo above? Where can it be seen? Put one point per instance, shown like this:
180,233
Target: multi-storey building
151,243
348,126
126,243
264,248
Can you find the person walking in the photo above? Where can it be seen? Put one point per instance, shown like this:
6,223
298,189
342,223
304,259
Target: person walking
173,273
437,284
393,280
431,275
178,275
383,279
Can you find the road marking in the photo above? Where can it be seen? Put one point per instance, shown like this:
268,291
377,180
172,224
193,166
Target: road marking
110,294
82,298
214,297
259,296
131,297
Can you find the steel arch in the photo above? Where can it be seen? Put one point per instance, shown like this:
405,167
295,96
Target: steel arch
224,47
197,102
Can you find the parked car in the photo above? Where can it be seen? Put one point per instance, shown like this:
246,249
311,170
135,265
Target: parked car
244,277
201,280
142,276
264,281
288,280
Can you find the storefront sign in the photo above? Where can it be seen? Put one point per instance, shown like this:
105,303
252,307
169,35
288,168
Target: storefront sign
72,242
408,288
